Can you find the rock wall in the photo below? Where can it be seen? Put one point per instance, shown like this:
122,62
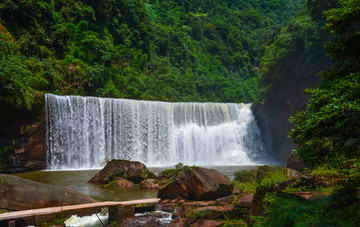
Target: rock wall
275,127
22,139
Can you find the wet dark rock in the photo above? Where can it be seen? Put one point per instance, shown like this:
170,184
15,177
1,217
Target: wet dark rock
130,170
20,194
196,183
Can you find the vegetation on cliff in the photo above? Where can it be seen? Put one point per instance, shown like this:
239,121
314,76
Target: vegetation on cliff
328,131
151,50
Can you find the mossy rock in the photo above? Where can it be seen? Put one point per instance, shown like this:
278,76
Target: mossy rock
130,170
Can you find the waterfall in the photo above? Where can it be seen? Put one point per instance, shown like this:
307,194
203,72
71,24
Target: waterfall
82,132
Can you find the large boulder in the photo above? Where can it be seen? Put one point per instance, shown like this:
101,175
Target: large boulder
196,183
20,194
130,170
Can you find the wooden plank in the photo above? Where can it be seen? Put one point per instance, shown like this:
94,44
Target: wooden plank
50,210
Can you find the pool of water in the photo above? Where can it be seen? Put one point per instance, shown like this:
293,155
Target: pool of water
77,180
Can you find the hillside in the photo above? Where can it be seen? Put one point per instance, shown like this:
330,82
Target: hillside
152,50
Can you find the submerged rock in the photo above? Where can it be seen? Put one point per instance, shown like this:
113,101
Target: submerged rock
21,194
120,182
196,183
130,170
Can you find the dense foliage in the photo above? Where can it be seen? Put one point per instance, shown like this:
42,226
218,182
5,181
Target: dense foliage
339,209
328,131
155,50
290,64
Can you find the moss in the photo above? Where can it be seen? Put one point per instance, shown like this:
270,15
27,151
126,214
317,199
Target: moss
117,173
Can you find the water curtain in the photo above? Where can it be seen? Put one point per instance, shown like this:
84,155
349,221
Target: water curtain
83,132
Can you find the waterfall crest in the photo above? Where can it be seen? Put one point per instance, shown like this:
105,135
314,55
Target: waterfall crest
84,131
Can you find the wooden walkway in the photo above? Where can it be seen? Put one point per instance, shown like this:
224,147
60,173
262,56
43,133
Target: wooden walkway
117,211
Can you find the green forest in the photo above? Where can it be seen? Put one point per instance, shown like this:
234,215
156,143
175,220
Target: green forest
150,50
298,59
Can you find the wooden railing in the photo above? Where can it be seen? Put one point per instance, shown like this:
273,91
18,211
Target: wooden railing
117,211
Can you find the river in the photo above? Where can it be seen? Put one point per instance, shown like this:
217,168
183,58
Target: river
77,180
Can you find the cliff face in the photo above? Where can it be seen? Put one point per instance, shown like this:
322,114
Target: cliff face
273,118
22,139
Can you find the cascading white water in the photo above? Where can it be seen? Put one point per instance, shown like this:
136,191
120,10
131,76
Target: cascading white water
84,131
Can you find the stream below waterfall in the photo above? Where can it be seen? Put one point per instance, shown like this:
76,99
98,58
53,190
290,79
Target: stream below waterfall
77,180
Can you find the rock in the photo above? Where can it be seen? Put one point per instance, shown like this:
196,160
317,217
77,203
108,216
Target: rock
120,182
245,201
20,194
225,200
148,221
236,190
149,184
294,162
28,147
301,182
293,173
180,222
207,223
264,171
196,204
196,183
132,171
212,212
257,207
311,196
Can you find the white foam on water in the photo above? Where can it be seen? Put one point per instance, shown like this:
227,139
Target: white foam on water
87,221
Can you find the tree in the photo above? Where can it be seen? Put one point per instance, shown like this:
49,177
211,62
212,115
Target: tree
328,131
